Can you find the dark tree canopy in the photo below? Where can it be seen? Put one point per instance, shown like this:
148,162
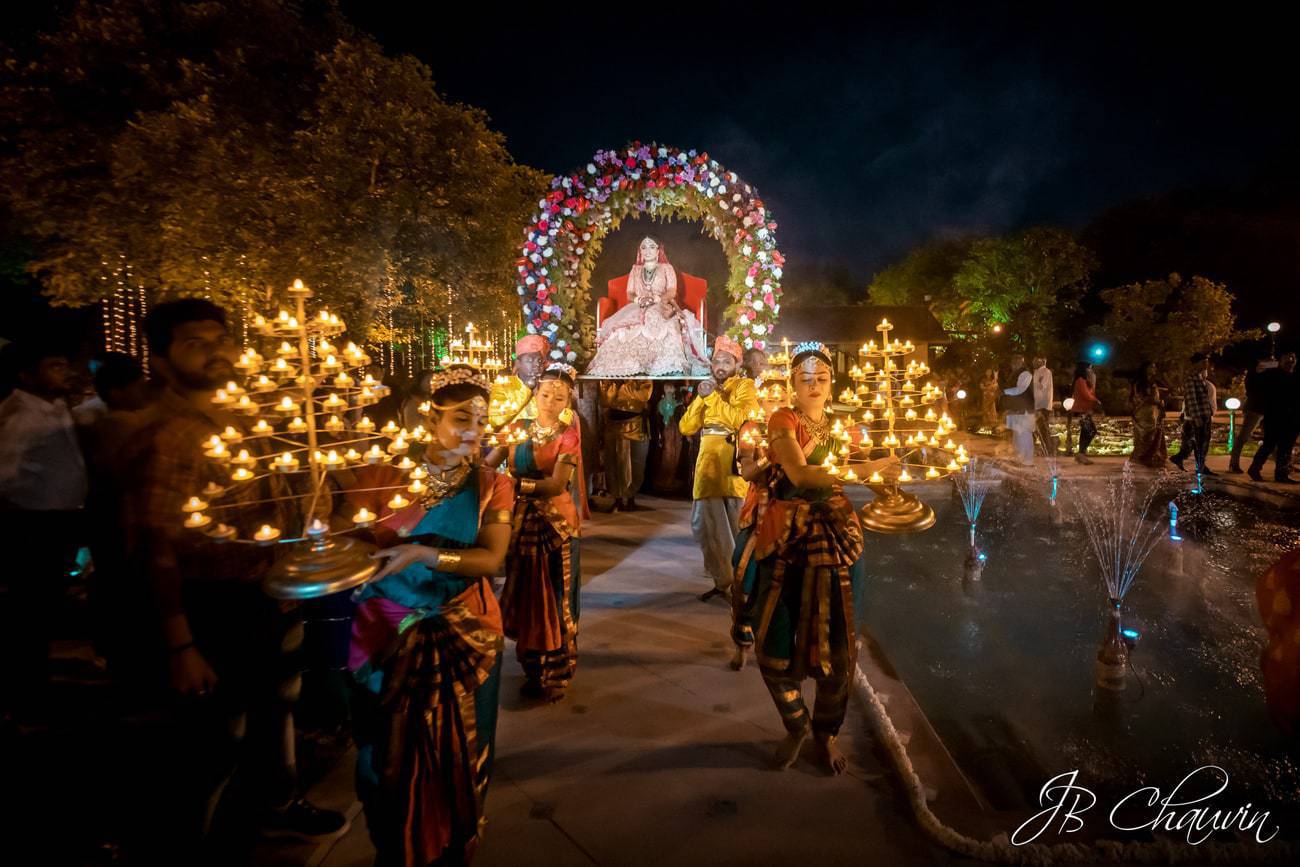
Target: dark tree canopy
229,147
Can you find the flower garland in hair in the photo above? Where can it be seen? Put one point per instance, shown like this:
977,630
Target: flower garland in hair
457,376
566,373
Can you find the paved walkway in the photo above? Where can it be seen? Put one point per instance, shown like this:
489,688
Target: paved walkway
659,755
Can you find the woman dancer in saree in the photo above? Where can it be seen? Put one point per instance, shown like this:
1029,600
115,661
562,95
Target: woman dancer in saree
426,644
806,552
539,604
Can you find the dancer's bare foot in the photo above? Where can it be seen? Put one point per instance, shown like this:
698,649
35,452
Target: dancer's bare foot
787,752
829,756
738,658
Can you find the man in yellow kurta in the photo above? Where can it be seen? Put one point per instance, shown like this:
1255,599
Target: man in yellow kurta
722,405
512,398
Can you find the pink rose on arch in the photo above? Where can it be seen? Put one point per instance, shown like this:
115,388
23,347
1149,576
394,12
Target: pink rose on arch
768,299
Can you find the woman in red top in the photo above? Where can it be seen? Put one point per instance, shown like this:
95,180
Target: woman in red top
806,552
1085,404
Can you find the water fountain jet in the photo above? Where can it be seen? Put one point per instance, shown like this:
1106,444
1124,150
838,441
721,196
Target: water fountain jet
1121,536
973,484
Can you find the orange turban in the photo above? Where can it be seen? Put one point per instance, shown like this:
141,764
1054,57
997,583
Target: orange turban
530,343
729,346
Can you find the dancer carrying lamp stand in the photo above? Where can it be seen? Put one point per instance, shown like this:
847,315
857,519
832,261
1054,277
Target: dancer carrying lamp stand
807,555
426,644
722,405
539,602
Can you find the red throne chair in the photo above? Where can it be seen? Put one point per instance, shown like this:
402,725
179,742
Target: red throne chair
692,295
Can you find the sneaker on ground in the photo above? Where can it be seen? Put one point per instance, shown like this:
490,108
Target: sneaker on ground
304,820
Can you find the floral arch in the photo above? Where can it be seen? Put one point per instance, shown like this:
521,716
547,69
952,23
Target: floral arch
565,237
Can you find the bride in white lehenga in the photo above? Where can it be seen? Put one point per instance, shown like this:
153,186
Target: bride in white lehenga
652,335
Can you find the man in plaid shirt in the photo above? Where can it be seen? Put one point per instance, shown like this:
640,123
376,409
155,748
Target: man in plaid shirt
1198,413
229,649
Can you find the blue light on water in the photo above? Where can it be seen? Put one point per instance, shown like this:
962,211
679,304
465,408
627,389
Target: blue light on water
1173,522
982,556
1055,482
1131,634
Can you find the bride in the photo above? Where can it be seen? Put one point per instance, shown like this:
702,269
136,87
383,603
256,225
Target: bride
652,335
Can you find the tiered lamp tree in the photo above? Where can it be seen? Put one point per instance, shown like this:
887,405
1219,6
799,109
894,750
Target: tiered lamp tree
897,418
482,355
474,352
295,399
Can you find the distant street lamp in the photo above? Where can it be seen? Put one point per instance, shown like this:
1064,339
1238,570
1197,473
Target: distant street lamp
997,328
961,394
1232,404
1273,329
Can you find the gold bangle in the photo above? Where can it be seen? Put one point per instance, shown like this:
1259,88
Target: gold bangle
498,516
527,486
447,561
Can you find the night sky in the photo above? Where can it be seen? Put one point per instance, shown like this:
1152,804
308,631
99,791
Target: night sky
870,133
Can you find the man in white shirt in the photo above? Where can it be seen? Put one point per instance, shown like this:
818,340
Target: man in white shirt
42,488
1043,404
1018,404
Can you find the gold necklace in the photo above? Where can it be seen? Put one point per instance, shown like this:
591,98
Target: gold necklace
819,430
542,435
443,483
